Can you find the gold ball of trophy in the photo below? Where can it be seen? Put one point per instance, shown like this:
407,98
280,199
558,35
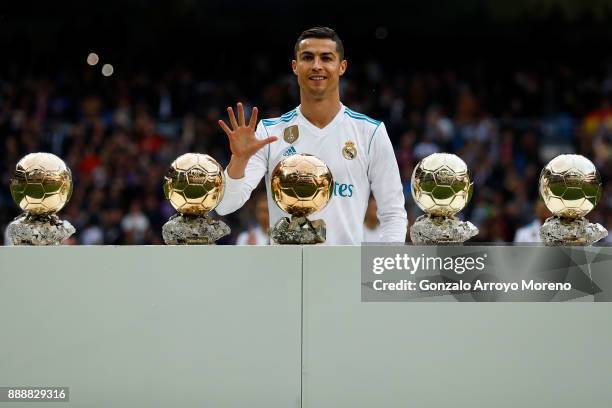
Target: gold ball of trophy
41,184
301,184
570,186
442,184
194,184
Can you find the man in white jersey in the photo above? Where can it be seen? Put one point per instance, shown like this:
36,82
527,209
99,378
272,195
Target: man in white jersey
355,147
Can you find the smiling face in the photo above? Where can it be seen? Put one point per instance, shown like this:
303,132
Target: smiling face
318,68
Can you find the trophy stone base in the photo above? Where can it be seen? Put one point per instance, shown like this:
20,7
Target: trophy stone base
28,229
299,231
193,230
434,230
572,232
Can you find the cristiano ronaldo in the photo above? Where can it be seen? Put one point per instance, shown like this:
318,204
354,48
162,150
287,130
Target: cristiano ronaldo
355,147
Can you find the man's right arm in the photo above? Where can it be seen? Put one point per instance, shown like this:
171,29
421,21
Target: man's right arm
238,189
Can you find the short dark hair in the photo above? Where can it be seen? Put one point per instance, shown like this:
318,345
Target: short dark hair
320,32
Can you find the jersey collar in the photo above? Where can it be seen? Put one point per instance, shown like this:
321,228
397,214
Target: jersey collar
330,126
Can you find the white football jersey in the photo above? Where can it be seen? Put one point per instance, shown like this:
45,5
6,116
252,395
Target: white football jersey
360,156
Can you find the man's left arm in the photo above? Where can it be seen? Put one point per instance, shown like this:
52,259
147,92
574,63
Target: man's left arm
386,186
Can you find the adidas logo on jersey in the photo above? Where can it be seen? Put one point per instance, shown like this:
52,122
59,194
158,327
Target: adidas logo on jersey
290,151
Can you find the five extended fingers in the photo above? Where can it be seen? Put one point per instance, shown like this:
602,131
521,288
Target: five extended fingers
240,123
225,128
232,118
240,114
264,142
253,121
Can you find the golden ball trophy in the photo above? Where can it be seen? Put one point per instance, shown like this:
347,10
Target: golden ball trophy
302,184
41,185
570,186
441,186
194,185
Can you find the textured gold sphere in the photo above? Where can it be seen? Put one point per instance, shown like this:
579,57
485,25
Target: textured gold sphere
570,186
301,184
194,184
442,184
41,184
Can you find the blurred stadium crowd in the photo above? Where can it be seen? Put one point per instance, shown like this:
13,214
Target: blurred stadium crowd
118,134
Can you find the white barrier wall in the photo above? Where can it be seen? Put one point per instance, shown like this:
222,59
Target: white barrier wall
279,327
153,326
447,354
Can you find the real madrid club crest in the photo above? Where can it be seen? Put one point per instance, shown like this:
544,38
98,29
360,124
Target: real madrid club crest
349,151
291,134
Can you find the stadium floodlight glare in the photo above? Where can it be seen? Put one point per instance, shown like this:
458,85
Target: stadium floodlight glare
92,58
107,70
381,33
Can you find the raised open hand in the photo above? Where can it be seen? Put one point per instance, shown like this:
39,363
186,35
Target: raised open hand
243,142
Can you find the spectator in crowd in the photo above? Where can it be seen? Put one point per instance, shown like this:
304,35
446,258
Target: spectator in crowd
135,225
371,226
119,134
531,231
7,240
257,233
93,234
